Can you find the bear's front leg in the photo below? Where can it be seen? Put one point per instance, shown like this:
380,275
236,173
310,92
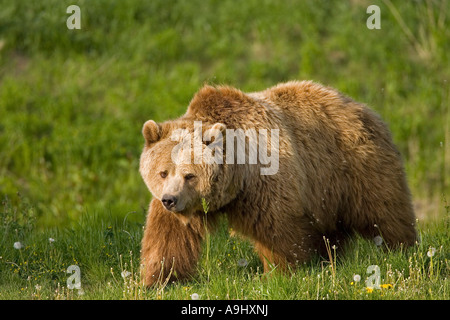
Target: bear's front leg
170,249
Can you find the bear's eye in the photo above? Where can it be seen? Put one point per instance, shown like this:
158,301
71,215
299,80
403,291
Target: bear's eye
189,176
163,174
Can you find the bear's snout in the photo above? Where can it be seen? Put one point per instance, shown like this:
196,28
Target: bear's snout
169,201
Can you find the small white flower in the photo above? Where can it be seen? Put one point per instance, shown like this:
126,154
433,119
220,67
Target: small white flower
194,296
125,274
431,252
242,262
18,245
51,240
357,278
378,240
38,287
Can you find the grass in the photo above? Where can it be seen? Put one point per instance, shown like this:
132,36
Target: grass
107,253
72,104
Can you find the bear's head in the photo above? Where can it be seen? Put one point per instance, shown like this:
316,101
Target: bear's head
182,163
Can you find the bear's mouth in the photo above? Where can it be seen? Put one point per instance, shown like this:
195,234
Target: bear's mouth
173,203
180,212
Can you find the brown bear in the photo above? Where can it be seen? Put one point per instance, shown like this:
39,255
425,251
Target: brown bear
288,166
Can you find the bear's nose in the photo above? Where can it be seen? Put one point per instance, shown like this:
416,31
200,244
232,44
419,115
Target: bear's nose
169,201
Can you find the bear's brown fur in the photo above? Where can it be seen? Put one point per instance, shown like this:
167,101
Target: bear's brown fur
339,173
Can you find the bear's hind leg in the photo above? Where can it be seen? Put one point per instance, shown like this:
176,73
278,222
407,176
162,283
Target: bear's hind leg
390,225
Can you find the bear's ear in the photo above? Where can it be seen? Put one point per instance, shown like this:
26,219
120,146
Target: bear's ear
151,131
219,126
215,133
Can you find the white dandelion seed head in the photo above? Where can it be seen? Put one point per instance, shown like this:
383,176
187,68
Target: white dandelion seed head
125,274
18,245
378,240
431,252
51,240
195,296
357,278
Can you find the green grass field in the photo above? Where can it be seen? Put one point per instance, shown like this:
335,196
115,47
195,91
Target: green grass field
72,105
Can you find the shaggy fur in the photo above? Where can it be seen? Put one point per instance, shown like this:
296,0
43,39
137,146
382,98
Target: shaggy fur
339,173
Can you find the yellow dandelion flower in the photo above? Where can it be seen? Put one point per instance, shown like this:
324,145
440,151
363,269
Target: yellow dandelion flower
386,286
369,289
